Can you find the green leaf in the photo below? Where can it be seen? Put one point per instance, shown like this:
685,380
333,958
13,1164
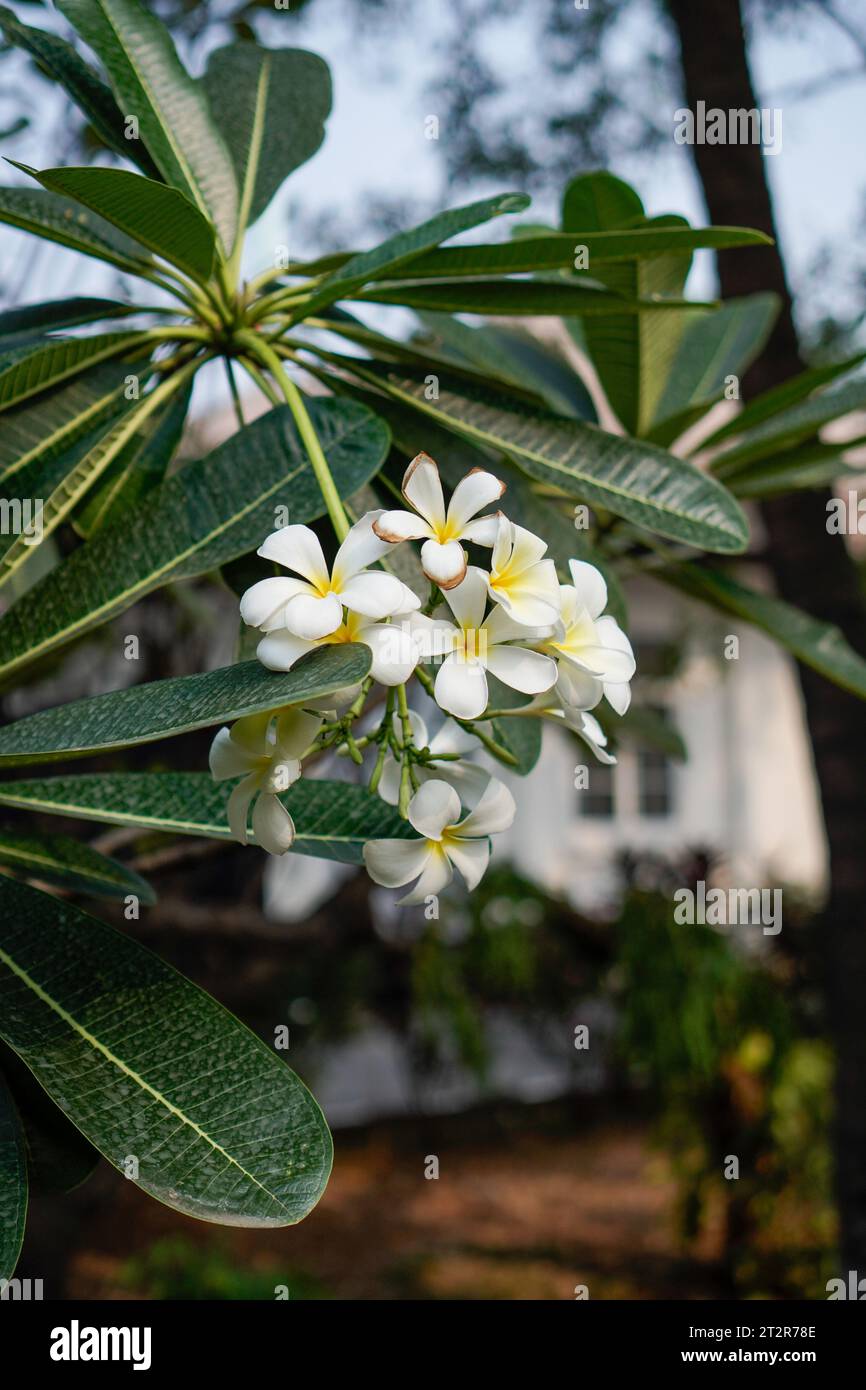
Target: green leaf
517,297
519,736
221,1128
769,403
790,427
632,479
808,467
599,202
815,643
139,468
88,464
271,107
400,249
160,218
59,1157
79,82
333,820
42,429
207,513
713,347
13,1184
151,83
60,859
162,709
69,224
559,250
50,363
19,326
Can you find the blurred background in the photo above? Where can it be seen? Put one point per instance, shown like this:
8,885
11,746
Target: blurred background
541,1090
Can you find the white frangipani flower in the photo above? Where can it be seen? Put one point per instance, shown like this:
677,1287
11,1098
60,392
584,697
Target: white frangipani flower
594,655
446,841
264,749
587,727
467,778
520,579
476,645
312,607
443,558
395,647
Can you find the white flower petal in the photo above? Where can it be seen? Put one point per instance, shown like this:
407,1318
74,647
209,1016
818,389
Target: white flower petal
263,605
395,527
436,637
521,669
239,805
530,608
273,827
434,806
618,695
313,618
436,876
589,586
395,652
373,595
612,636
500,627
445,564
469,600
495,811
295,732
227,759
252,733
422,489
395,862
479,489
471,857
389,782
362,547
280,650
527,548
298,549
577,688
483,530
461,688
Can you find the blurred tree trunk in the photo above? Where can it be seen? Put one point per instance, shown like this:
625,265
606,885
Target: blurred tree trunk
812,569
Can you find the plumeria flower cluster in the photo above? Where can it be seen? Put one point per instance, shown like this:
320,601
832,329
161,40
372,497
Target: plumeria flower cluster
512,620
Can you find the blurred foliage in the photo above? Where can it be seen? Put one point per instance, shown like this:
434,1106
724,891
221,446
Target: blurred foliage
177,1268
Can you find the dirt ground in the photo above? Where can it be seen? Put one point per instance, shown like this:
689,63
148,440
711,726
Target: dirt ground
511,1216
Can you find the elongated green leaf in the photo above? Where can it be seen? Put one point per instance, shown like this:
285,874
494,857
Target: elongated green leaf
89,466
49,364
789,427
32,320
627,477
713,348
139,468
516,297
13,1184
69,224
90,94
807,467
59,1157
790,393
220,1127
151,83
40,430
521,737
60,859
400,249
516,357
815,643
207,513
162,709
160,218
271,106
333,820
560,250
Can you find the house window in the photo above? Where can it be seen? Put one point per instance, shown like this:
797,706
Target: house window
654,783
596,799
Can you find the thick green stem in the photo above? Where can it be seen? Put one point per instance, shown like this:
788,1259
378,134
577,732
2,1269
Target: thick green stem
295,401
235,394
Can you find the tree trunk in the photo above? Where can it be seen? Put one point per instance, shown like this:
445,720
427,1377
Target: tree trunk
812,569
